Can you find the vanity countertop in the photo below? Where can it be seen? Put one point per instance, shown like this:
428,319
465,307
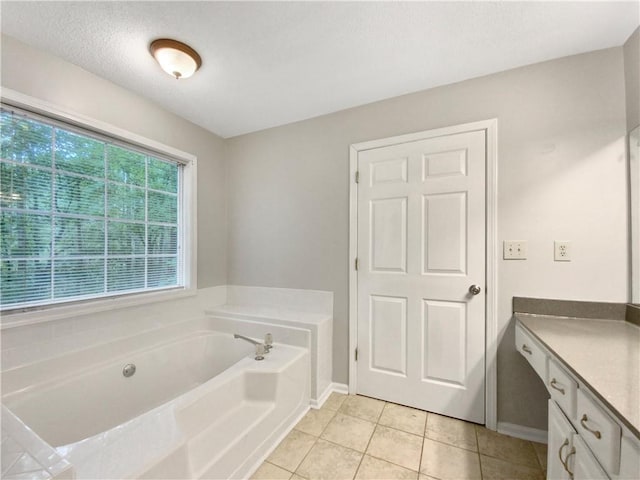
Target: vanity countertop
602,354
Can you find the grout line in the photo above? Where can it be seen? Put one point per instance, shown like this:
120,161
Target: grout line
452,445
475,431
277,466
424,435
365,452
511,462
394,464
305,456
537,457
398,430
315,442
375,425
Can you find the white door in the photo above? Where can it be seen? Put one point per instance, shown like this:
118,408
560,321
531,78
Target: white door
421,246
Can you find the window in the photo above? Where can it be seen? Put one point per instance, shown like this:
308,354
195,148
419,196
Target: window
83,215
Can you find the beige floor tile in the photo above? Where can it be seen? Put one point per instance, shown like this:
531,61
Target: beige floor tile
362,407
375,469
349,432
315,421
495,469
509,449
335,401
447,462
297,477
420,477
268,471
541,451
327,461
292,450
403,418
452,431
396,447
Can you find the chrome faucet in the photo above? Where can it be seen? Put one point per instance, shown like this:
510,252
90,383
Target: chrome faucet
250,340
260,348
268,342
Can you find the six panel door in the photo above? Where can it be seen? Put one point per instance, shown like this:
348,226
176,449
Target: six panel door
421,246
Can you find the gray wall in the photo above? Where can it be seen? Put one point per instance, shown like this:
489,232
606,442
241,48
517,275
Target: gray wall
561,177
41,75
561,169
632,79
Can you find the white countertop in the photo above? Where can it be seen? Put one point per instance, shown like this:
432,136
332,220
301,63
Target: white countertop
602,354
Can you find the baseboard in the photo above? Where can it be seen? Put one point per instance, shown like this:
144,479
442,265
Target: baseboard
340,388
333,387
525,433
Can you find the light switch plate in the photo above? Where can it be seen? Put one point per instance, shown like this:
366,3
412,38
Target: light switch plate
514,250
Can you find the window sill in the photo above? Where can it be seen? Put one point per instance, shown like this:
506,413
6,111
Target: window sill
57,312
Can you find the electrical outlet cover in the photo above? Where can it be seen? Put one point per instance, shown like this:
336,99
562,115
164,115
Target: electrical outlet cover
562,251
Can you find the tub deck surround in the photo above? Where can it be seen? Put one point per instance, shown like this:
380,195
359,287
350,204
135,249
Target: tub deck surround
270,308
222,426
223,420
603,354
296,300
47,334
266,319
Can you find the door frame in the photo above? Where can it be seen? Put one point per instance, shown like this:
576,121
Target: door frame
490,127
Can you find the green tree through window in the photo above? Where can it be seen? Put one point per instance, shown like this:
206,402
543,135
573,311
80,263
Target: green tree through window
81,216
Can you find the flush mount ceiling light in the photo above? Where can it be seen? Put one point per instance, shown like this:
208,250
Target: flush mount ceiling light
175,58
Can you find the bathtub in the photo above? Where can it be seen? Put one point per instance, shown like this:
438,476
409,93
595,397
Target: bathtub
198,405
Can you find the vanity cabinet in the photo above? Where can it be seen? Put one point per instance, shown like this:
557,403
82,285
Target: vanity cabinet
585,440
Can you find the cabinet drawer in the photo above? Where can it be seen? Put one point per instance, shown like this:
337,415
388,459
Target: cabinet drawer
562,388
530,349
600,431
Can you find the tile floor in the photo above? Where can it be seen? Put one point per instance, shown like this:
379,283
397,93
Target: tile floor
355,437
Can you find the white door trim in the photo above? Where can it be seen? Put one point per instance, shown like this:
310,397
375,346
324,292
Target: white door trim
491,346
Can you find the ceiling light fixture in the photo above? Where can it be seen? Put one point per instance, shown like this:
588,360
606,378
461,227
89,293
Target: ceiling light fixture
175,58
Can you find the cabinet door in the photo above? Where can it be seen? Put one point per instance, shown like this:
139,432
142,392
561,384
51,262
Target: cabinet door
629,459
560,443
585,465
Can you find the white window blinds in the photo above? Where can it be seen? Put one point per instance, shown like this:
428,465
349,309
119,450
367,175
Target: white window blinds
83,216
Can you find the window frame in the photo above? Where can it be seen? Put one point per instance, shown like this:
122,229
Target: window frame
23,315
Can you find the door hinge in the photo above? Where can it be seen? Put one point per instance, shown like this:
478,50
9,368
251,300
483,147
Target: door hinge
356,263
357,177
356,354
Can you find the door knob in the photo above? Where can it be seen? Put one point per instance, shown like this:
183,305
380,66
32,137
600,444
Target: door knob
474,289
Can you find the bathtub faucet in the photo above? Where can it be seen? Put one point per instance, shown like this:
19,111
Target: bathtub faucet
260,347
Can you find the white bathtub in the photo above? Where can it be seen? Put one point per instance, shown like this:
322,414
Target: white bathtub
198,405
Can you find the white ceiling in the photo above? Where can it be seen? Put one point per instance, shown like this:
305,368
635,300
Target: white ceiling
268,64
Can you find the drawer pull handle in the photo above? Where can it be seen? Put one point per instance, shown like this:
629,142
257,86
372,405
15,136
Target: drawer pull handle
566,462
565,444
526,349
583,422
554,384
